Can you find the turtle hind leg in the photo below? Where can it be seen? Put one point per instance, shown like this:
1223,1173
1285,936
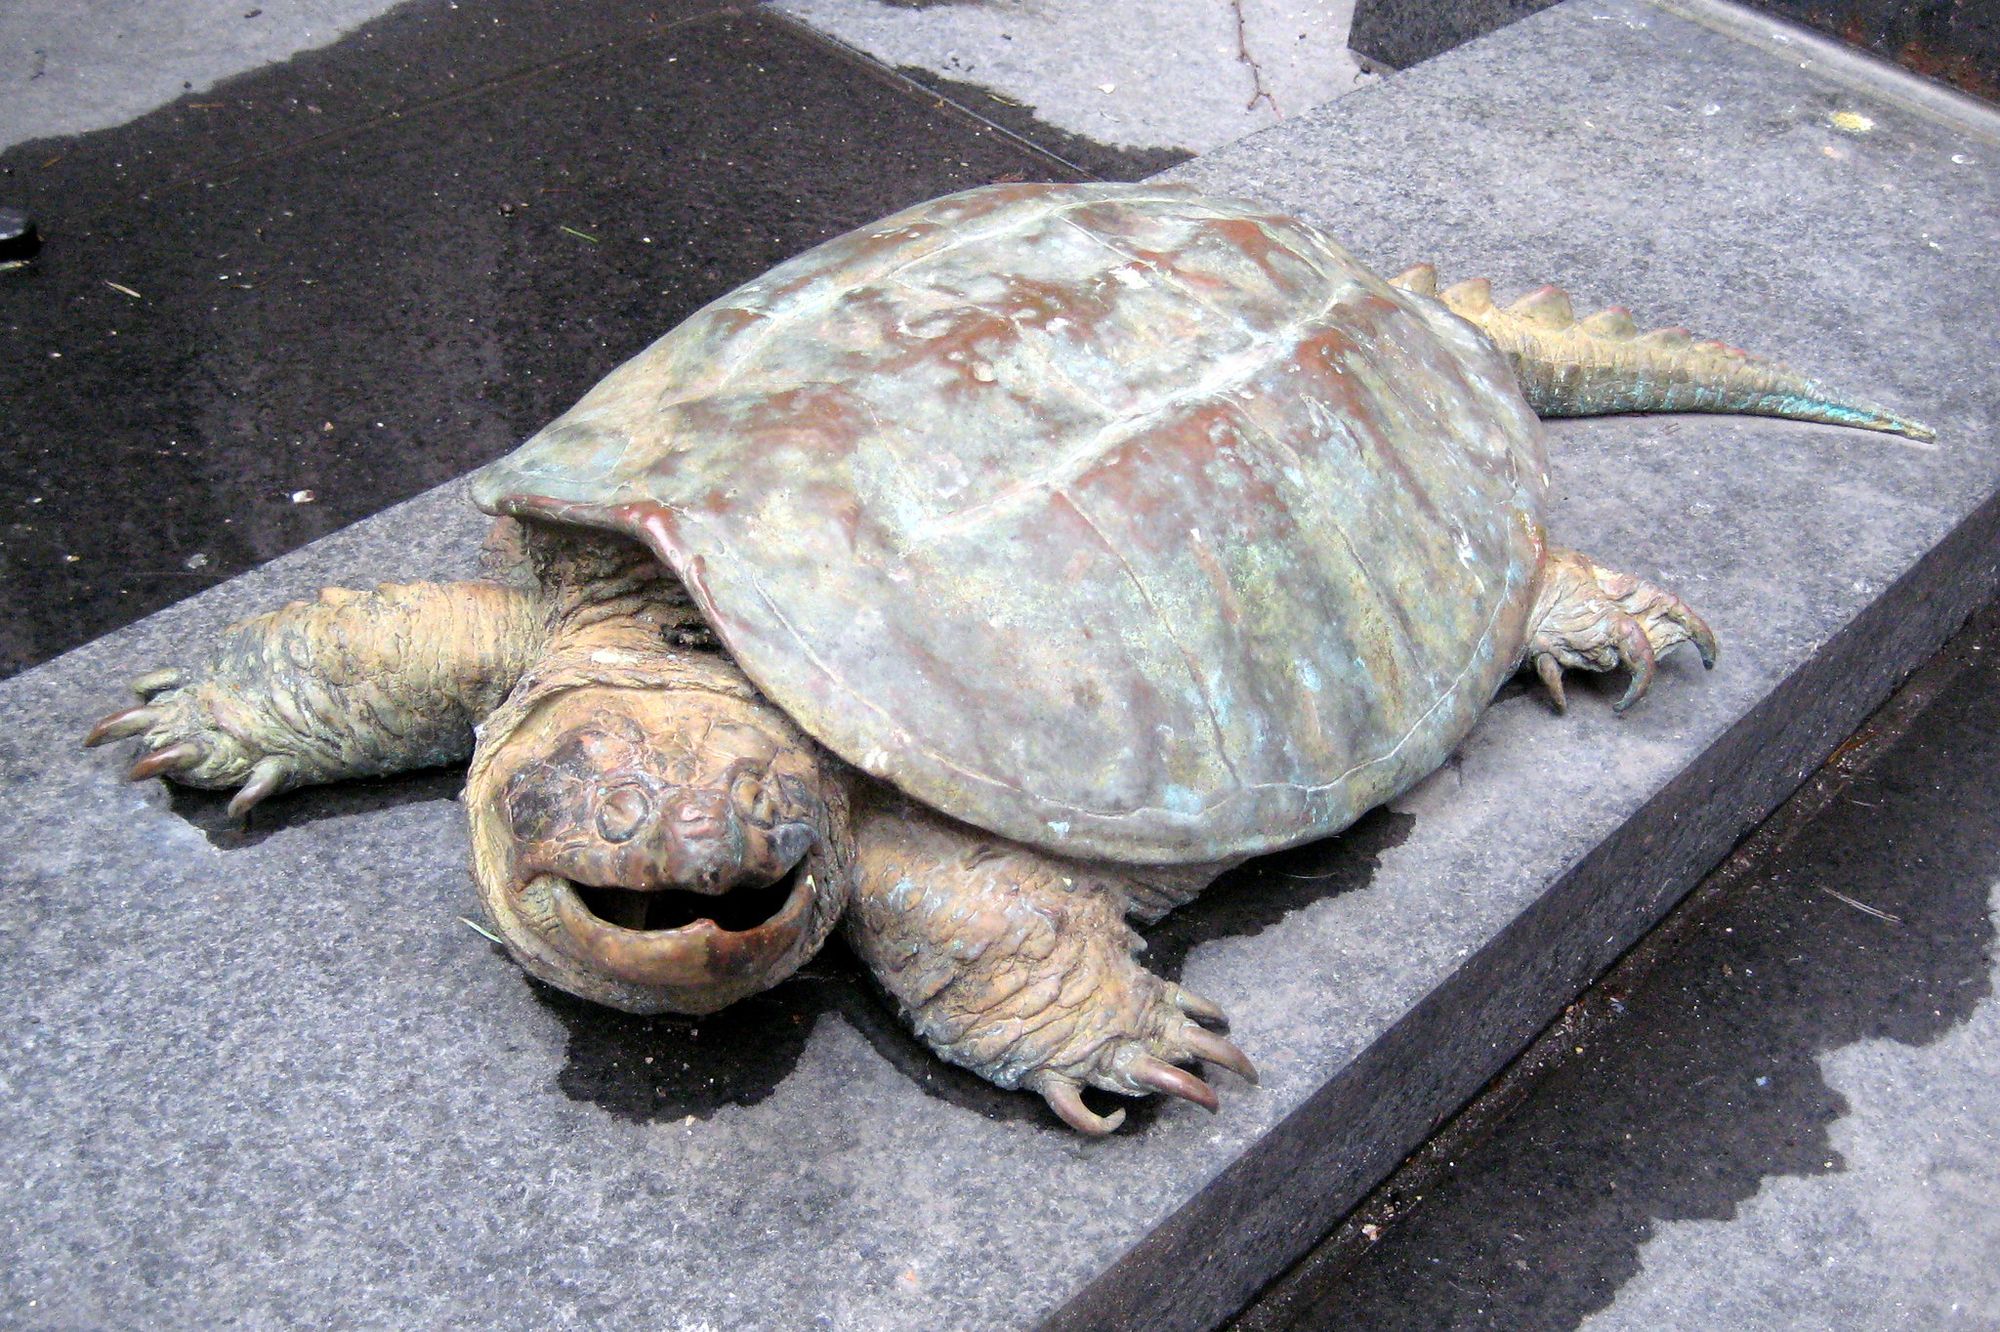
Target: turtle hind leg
1590,618
1020,967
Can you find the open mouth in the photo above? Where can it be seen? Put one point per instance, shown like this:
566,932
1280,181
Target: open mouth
674,908
705,947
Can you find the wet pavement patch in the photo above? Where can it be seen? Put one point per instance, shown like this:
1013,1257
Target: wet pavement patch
222,353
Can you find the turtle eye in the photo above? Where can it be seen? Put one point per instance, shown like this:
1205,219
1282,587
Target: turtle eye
621,812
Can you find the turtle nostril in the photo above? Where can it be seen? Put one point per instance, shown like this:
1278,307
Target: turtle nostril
621,812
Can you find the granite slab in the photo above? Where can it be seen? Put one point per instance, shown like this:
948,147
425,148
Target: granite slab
272,1080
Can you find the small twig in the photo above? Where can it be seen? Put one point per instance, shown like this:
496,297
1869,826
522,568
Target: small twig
1243,56
481,930
123,289
1862,907
580,235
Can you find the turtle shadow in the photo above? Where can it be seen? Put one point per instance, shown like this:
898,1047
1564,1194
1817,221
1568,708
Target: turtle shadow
667,1066
208,811
670,1067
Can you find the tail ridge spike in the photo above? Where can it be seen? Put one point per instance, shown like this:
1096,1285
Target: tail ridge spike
1420,278
1615,323
1545,307
1471,299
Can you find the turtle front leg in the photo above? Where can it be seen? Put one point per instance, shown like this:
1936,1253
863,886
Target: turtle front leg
1590,618
1020,966
352,684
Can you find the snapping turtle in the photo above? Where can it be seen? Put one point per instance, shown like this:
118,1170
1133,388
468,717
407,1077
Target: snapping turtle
984,579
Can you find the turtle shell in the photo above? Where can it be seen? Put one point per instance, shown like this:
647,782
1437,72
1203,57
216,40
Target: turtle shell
1116,519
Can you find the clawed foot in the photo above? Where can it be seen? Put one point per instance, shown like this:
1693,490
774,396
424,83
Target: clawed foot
1590,618
184,728
1022,968
1170,1031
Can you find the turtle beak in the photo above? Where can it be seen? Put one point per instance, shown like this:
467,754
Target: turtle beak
697,932
791,841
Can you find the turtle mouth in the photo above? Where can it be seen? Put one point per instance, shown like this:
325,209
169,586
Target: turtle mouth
696,944
668,910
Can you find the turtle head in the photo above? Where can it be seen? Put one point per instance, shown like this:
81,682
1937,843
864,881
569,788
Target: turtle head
657,849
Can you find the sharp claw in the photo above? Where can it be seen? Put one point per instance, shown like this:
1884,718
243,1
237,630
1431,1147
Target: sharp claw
1635,652
158,682
1217,1050
120,725
1551,673
1164,1077
1702,636
186,754
1067,1102
1198,1008
266,780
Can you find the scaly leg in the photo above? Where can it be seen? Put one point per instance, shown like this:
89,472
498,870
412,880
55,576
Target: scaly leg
1020,966
1589,618
353,684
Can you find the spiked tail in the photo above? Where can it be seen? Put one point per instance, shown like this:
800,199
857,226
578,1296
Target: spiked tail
1603,363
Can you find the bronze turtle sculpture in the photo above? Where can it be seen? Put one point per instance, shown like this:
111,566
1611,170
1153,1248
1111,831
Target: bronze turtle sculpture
984,579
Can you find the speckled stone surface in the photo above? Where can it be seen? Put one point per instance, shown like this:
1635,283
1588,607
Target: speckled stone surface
273,1079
